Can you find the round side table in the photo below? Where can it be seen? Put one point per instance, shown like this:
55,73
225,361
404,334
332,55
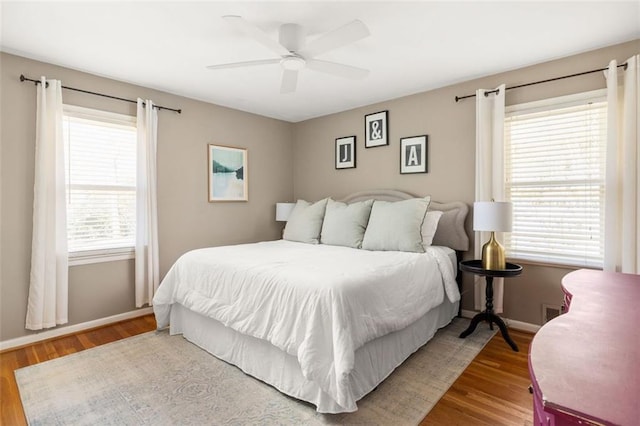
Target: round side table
475,267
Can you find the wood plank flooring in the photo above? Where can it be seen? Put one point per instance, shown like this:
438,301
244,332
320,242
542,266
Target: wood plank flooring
491,391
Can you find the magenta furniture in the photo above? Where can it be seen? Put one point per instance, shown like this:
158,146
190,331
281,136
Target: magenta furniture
585,364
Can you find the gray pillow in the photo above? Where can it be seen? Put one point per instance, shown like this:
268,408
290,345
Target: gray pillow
429,226
396,226
305,222
344,224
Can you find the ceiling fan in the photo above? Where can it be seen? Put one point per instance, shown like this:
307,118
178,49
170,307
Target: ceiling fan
294,55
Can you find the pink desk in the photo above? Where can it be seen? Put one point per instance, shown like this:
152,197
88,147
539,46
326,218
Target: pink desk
584,365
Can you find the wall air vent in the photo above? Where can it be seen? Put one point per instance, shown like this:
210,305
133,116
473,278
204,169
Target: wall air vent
549,312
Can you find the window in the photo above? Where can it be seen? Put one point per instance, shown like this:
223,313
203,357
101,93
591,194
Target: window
554,176
101,184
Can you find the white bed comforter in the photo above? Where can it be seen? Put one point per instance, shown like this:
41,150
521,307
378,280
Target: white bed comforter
316,302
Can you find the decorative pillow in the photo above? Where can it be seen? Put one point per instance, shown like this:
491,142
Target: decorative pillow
344,224
305,222
445,236
430,226
396,226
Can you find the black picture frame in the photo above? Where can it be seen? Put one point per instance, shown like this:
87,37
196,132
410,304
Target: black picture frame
376,129
414,154
345,152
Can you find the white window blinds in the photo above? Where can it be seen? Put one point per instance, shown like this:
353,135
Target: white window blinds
554,176
101,179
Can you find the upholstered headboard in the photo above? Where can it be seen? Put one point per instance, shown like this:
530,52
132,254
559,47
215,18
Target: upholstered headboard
450,232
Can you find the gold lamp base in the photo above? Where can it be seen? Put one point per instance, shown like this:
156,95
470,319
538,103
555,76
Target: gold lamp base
493,258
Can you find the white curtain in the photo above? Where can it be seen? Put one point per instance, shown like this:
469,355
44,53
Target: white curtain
147,270
622,204
48,287
489,176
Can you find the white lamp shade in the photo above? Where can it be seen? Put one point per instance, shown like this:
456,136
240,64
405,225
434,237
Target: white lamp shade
492,216
283,210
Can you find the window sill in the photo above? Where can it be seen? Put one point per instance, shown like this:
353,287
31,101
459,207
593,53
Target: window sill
551,265
99,256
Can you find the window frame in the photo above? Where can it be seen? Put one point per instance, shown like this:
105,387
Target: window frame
550,104
90,256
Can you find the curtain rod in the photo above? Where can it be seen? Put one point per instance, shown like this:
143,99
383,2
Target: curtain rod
458,98
23,78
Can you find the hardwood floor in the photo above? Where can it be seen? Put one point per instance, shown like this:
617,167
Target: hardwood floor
491,391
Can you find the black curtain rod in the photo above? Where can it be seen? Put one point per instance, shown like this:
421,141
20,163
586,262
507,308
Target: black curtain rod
23,78
458,98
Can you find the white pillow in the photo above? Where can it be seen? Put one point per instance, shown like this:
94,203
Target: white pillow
396,226
305,222
430,226
344,224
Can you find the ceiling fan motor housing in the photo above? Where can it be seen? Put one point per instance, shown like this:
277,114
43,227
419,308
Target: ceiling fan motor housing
293,63
291,37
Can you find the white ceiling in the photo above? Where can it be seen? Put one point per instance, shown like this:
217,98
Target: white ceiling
413,46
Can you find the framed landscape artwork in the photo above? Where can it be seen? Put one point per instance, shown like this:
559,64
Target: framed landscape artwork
413,154
346,152
227,170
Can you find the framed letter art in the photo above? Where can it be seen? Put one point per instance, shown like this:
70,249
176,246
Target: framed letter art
346,152
227,170
376,129
413,154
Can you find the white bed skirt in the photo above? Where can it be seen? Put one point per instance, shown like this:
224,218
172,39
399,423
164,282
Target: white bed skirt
373,362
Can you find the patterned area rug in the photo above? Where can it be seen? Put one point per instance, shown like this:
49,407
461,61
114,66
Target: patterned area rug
157,379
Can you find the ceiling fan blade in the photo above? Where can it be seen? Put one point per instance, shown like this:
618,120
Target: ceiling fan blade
289,81
244,64
340,70
257,34
349,33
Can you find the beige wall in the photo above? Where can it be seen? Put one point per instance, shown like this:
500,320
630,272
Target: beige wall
186,219
286,161
451,130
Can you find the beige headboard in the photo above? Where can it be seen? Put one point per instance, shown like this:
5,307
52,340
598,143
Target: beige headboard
450,233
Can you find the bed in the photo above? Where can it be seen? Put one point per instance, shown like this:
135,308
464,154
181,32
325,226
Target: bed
326,322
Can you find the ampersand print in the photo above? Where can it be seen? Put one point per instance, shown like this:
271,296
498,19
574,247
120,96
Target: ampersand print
376,129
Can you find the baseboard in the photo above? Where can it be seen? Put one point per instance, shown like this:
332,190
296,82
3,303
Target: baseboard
522,326
71,329
51,334
516,325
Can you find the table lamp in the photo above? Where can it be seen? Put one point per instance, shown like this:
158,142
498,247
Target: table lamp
283,210
492,216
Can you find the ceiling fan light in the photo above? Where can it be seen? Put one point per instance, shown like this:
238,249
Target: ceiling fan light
293,63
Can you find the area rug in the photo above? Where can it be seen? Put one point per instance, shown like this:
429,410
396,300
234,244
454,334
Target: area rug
157,379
